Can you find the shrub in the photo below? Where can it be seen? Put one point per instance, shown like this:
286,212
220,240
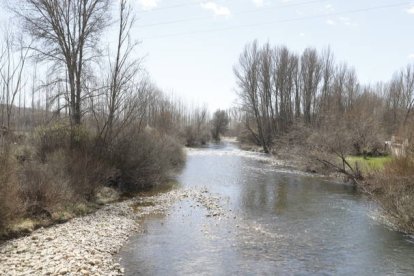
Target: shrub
190,136
86,171
172,151
42,188
144,160
63,165
50,139
403,167
219,124
10,203
394,190
72,154
196,137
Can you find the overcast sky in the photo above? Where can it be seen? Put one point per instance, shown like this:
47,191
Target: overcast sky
191,45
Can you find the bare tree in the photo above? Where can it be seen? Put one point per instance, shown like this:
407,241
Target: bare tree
328,74
66,32
219,124
12,63
332,145
285,69
407,85
265,96
247,74
121,88
197,130
311,69
364,124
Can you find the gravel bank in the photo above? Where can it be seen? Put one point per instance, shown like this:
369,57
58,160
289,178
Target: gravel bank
86,245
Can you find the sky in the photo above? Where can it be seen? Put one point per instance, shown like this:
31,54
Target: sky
190,46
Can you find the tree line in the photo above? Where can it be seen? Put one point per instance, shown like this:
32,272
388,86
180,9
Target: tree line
309,108
279,89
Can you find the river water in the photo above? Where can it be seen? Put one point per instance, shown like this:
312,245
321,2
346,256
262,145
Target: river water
277,222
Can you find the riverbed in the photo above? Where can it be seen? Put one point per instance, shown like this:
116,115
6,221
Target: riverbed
261,218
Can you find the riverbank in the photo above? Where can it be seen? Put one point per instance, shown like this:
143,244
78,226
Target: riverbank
276,221
291,157
86,245
386,181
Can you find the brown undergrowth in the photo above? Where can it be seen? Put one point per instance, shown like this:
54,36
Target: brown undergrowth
56,173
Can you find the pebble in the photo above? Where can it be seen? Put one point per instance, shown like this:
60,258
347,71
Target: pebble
86,245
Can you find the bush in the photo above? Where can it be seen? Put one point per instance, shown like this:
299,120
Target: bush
219,124
173,152
61,166
86,171
42,188
50,139
194,137
144,160
10,203
394,190
72,154
403,167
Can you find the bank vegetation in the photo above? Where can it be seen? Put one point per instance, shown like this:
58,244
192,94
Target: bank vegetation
313,109
82,123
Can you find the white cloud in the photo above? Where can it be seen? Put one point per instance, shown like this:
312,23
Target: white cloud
330,22
302,34
411,56
410,10
341,20
329,8
216,9
258,3
148,4
344,19
299,12
348,21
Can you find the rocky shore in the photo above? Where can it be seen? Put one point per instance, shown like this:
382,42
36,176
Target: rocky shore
86,245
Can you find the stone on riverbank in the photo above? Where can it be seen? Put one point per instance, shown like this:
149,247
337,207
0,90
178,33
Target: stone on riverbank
86,245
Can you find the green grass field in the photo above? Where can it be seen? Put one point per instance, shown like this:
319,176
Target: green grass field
369,164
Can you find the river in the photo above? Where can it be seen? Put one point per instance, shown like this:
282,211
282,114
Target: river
277,222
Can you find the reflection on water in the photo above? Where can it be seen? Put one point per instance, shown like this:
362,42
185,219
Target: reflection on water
280,222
